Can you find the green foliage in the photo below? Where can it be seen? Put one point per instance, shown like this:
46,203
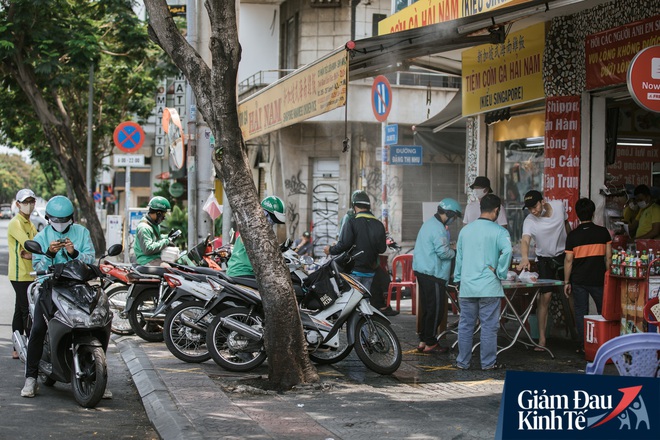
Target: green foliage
14,175
54,43
178,219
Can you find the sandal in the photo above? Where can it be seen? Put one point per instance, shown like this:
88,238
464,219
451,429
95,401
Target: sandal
421,347
435,348
540,349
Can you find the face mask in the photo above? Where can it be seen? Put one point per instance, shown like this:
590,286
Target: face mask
450,220
61,227
26,208
480,193
633,206
159,218
642,204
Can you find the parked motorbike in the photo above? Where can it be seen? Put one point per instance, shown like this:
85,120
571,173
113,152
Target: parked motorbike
185,324
79,329
336,317
116,285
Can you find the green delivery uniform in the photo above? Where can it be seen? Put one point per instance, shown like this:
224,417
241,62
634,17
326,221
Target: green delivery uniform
148,241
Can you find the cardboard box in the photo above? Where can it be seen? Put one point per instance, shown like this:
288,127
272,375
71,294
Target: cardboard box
633,300
597,331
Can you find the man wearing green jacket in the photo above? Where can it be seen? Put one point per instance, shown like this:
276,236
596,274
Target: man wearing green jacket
149,242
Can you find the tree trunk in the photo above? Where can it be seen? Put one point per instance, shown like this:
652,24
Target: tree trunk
57,129
215,90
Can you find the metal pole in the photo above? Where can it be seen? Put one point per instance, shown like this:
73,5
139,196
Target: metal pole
383,174
90,109
127,225
191,165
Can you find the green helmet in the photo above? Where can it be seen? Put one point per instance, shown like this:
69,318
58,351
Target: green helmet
59,209
450,205
274,206
360,197
159,203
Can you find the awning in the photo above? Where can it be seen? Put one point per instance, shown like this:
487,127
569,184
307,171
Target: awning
444,133
395,52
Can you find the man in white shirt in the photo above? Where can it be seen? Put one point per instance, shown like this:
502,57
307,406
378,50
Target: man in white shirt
547,223
481,187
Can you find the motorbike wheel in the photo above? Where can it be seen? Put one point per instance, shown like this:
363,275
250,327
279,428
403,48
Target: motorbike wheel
377,345
231,350
184,341
117,296
89,388
333,355
145,303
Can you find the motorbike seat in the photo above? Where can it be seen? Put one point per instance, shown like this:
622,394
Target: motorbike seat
151,270
243,281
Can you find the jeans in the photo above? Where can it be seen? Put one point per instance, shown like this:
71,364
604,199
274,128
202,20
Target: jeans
581,304
365,281
432,303
487,309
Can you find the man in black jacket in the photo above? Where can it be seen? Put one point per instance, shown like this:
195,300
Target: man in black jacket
367,233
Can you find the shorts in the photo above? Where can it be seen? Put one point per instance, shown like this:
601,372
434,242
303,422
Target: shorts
551,268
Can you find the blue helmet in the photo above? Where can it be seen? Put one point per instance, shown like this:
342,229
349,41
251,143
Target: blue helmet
452,205
59,209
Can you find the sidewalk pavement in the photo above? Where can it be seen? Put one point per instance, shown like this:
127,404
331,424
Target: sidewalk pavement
425,399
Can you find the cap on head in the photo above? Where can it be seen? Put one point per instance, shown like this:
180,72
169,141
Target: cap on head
159,203
532,198
274,206
25,194
360,198
481,182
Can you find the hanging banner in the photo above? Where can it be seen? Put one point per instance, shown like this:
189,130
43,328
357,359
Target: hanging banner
609,53
310,91
502,75
561,171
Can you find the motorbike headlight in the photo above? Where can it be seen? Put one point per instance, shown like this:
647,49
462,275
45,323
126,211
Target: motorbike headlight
74,314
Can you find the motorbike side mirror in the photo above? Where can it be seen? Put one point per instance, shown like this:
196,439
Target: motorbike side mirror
33,247
115,250
306,260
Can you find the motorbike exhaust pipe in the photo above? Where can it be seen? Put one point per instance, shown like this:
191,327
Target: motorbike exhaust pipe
20,345
242,329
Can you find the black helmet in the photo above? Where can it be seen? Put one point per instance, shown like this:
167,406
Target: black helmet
361,198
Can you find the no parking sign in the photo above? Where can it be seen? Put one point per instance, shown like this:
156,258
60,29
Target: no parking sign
128,136
381,98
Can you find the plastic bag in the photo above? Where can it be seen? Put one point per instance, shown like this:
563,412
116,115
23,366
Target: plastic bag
511,276
212,207
528,277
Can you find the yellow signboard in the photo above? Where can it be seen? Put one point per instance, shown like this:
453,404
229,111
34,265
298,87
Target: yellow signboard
501,75
309,91
427,12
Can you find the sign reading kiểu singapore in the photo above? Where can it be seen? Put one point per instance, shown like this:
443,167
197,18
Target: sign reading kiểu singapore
501,75
609,53
309,91
427,12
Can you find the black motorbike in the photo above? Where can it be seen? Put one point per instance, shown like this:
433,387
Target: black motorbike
78,328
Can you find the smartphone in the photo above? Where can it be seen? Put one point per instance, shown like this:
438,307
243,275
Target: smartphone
62,240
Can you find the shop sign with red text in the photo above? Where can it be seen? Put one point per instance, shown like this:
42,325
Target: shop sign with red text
561,171
609,53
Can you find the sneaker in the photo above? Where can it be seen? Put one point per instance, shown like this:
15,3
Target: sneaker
495,366
107,394
31,387
389,311
458,367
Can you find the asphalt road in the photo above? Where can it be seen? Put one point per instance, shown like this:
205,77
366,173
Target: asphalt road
54,414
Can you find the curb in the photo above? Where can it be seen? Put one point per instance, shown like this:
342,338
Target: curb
160,406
